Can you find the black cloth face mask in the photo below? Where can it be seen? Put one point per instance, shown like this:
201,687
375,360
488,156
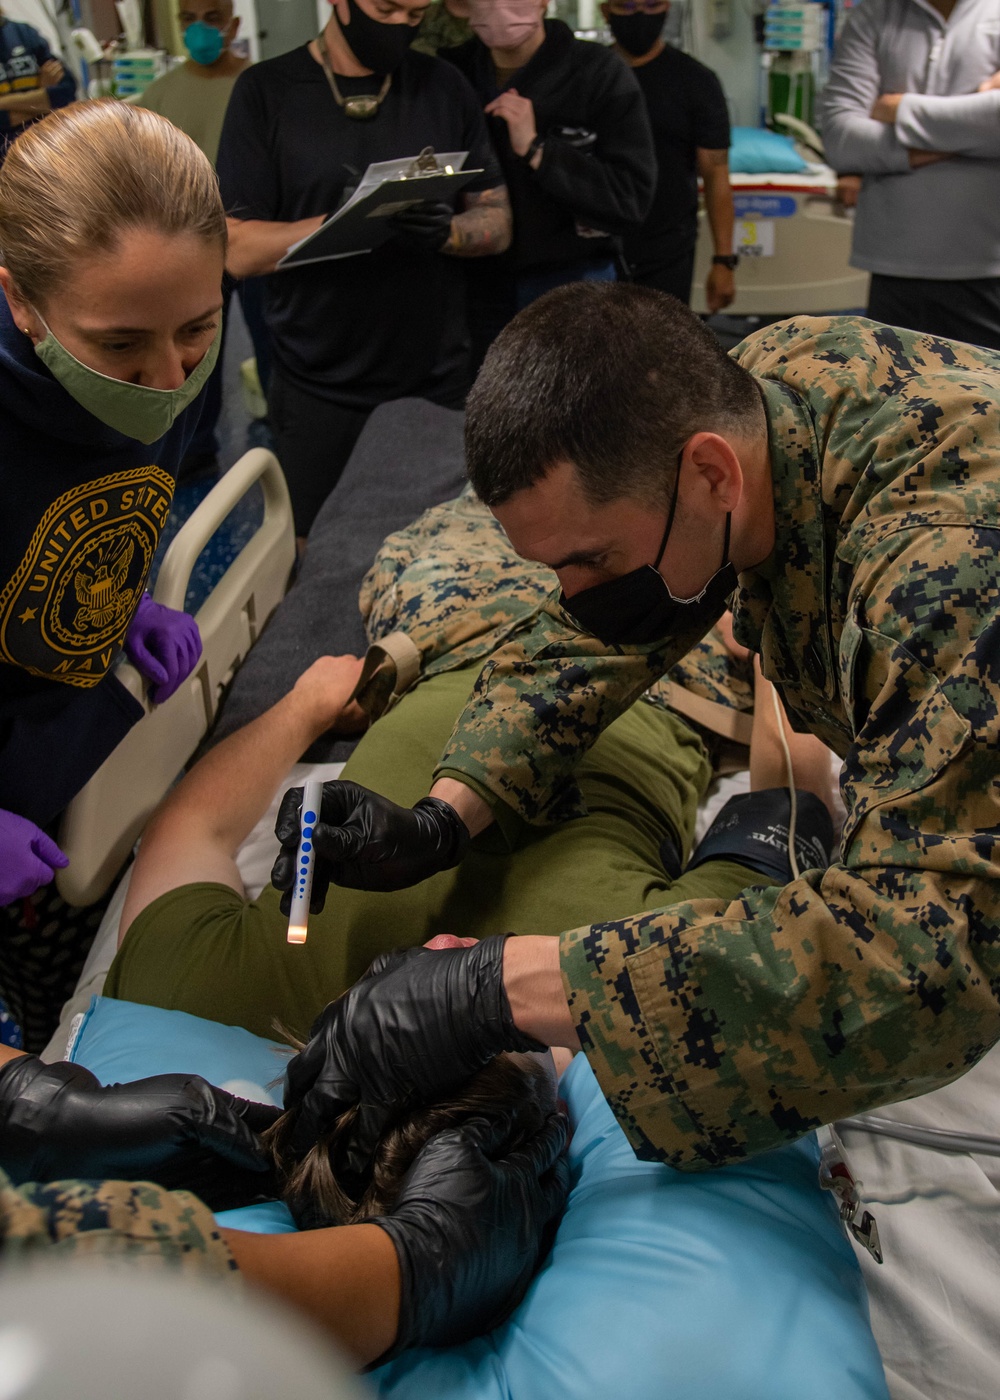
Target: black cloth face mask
380,47
639,608
636,34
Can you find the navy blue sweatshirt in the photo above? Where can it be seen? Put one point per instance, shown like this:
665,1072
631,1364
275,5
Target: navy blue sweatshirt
81,511
22,53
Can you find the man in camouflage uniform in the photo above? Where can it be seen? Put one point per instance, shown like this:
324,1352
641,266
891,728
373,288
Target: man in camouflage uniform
863,507
449,590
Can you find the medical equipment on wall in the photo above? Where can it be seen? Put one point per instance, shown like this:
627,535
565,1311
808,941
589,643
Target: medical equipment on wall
87,45
796,46
135,69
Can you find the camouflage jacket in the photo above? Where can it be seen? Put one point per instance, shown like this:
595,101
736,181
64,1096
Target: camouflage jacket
718,1030
135,1223
452,583
441,30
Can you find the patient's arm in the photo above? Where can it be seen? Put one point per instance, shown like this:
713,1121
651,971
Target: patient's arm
195,833
811,759
346,1279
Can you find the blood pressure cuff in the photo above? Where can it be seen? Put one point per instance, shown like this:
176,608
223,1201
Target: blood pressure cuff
753,829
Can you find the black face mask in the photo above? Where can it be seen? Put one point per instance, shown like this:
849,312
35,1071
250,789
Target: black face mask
639,608
380,47
636,34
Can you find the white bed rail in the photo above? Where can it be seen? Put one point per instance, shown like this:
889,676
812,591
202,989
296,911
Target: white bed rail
103,821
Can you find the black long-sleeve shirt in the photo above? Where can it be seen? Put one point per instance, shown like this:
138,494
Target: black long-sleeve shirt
598,169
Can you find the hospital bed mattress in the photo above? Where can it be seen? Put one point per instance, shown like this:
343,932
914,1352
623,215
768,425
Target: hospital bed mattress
794,241
409,457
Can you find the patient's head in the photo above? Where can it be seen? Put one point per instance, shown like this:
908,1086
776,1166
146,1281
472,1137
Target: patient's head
318,1190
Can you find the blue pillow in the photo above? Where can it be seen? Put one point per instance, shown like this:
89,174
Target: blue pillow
756,151
119,1040
736,1284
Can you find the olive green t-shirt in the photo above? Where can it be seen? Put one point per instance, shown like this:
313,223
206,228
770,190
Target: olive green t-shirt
206,950
194,102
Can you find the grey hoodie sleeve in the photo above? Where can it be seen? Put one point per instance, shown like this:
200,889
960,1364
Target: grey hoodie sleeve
854,143
967,125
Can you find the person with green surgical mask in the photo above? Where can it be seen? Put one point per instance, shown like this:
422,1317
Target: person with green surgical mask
195,94
112,242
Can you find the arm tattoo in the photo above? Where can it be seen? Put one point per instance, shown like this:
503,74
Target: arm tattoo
484,227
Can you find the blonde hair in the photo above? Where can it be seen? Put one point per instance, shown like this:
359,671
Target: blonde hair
74,182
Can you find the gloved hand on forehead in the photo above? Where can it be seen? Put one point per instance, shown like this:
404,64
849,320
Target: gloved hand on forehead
28,858
365,842
164,645
416,1026
470,1228
57,1121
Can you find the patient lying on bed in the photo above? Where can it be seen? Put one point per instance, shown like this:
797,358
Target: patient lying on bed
193,941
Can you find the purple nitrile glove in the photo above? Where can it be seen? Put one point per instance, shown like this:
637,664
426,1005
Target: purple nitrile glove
164,645
28,858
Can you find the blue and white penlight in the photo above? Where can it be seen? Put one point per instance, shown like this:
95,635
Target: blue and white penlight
298,919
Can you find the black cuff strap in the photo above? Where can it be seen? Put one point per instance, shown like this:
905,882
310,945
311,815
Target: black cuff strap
752,829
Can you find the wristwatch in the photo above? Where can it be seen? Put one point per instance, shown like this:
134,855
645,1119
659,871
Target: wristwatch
536,145
730,260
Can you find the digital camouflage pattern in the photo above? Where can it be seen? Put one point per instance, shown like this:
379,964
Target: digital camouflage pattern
441,30
452,582
137,1223
720,1029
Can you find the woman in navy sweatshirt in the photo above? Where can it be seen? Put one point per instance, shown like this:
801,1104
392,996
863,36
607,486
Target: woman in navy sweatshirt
112,240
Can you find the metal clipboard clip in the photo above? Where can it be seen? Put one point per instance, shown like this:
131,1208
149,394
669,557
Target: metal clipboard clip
426,163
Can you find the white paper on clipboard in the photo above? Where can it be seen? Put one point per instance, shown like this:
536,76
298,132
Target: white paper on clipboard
386,188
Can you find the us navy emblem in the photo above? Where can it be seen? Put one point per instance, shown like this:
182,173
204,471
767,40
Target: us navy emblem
65,612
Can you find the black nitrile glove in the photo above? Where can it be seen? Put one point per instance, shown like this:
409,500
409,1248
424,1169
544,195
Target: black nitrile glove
426,225
57,1121
417,1026
753,830
470,1228
366,842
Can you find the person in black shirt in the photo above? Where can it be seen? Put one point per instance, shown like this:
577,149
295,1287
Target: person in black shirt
351,334
690,122
571,131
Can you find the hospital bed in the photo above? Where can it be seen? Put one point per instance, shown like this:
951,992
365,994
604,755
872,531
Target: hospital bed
934,1302
794,241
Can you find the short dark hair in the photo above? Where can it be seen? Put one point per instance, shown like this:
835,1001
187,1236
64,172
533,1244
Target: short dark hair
609,376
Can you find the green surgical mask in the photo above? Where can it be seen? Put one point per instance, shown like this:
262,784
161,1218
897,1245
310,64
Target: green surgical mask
133,409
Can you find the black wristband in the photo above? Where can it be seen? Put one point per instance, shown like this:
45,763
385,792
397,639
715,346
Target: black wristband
730,260
537,143
752,829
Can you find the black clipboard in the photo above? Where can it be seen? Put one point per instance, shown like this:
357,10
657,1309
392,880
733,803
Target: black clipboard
386,188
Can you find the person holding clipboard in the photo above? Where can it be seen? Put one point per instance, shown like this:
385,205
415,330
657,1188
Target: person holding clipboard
353,332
